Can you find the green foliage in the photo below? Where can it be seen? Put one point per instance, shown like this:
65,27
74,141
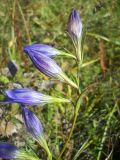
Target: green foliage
38,21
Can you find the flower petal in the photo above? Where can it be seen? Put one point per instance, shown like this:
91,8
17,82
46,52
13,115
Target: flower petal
75,26
32,123
42,49
8,151
29,97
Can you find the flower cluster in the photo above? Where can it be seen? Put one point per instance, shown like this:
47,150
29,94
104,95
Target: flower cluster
42,57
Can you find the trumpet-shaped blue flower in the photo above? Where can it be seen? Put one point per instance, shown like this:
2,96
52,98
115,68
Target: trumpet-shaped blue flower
75,26
49,67
42,49
46,50
29,97
45,64
75,32
8,151
32,123
34,127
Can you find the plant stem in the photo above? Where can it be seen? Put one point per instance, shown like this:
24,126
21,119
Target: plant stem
69,81
71,131
43,143
73,125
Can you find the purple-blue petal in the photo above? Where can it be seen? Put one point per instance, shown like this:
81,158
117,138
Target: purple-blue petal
24,96
32,123
8,151
45,64
74,25
42,49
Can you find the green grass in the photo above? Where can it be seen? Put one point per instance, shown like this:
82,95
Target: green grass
96,132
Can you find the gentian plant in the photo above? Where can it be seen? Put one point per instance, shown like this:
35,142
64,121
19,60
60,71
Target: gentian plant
42,56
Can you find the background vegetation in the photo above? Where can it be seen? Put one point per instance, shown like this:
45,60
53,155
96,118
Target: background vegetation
97,130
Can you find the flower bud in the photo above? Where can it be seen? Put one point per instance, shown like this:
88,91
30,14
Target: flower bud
30,97
48,66
34,127
46,50
32,123
75,32
42,49
8,151
75,26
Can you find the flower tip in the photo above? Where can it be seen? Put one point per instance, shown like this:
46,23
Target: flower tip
74,11
26,49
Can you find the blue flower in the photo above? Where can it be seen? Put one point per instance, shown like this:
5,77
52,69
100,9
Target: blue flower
29,97
34,127
42,49
75,32
45,64
75,26
49,67
32,123
8,151
46,50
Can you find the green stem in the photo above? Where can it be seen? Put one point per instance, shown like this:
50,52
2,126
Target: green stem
79,52
43,143
71,131
69,81
73,125
89,63
66,55
78,104
49,153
